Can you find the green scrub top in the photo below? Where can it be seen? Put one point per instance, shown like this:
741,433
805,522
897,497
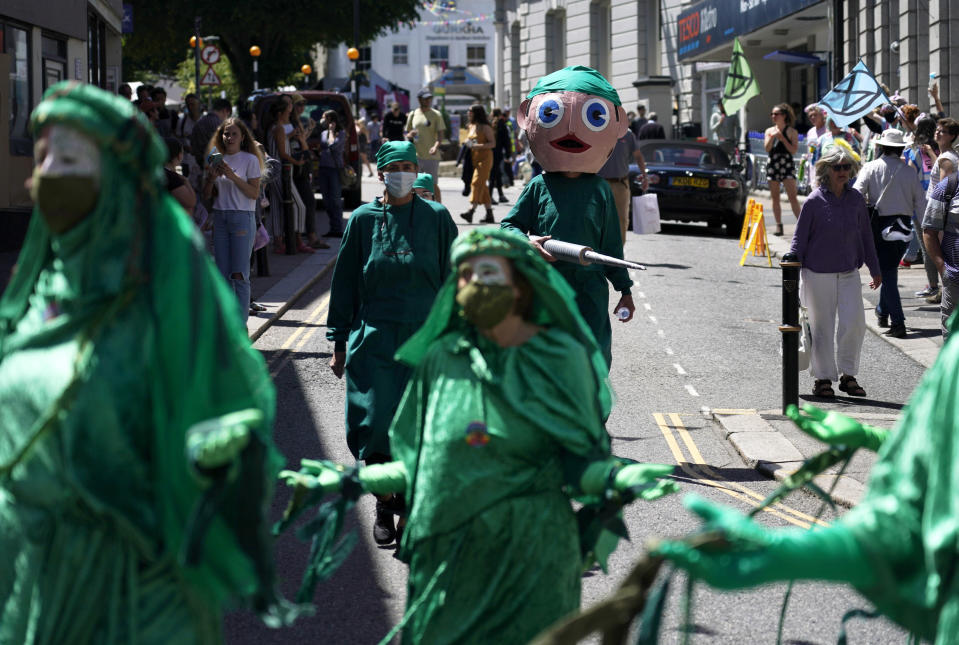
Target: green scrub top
581,211
392,262
489,437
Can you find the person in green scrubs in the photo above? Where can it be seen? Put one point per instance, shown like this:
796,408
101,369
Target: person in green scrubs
573,118
899,547
393,259
500,424
135,417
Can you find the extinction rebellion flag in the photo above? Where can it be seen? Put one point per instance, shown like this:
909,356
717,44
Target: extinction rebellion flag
740,83
854,96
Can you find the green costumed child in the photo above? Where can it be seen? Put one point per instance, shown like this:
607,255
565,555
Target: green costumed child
499,425
393,259
135,459
899,547
573,118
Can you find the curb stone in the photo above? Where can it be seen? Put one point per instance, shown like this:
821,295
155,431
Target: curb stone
764,448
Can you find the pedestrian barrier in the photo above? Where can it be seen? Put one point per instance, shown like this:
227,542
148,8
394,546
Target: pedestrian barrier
753,235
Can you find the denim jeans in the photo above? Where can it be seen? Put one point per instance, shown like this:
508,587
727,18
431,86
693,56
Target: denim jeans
889,302
232,245
328,184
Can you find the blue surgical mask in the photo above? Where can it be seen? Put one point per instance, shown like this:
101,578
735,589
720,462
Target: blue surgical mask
399,184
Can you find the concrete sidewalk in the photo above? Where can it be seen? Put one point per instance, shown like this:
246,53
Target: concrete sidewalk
771,443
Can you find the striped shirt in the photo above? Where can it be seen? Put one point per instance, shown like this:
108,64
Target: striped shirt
942,214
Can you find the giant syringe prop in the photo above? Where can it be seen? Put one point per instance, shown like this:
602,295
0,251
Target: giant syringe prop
584,255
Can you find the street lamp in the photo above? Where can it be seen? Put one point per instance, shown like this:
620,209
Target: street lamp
354,55
255,53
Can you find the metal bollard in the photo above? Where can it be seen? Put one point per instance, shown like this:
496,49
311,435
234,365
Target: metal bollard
289,225
790,330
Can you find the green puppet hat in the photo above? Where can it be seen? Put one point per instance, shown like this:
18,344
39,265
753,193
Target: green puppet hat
395,151
424,180
577,79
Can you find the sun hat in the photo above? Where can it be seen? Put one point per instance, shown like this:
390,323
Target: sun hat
891,138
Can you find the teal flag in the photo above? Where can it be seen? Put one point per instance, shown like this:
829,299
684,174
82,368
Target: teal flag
855,95
740,83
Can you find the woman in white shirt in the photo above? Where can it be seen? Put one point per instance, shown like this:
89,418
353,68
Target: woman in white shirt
234,184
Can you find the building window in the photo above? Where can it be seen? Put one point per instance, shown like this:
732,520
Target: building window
401,55
599,36
16,43
54,60
365,61
440,55
555,40
475,55
96,50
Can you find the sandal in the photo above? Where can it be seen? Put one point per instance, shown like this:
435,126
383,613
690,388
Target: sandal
849,385
823,388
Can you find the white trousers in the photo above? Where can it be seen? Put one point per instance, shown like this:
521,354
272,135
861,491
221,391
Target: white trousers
834,350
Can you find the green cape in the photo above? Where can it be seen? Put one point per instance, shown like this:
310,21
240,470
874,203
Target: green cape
138,293
576,79
554,303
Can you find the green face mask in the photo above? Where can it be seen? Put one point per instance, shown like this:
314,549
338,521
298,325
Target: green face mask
65,200
486,305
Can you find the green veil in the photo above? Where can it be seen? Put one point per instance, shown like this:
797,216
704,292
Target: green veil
139,272
554,302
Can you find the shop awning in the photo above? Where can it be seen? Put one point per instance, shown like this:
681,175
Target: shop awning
801,58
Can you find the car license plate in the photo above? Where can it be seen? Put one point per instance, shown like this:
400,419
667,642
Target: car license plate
695,182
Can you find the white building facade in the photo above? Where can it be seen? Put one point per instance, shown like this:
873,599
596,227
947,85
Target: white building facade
672,55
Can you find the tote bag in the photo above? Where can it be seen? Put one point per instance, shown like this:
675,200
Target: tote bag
645,214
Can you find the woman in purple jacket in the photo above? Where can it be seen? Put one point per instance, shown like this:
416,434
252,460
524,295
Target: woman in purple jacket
833,239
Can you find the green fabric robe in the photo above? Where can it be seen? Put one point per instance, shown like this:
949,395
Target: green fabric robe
392,262
581,211
488,515
908,521
115,338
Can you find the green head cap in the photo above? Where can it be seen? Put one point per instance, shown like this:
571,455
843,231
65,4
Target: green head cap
577,79
424,180
395,151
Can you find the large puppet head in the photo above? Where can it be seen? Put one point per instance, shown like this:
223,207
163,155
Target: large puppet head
573,119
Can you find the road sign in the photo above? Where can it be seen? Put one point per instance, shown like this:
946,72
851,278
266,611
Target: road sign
210,78
210,54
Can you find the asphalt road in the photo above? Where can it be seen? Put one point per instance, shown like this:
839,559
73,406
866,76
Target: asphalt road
705,335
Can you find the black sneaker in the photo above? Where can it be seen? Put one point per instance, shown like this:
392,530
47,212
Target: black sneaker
503,199
896,331
883,319
384,531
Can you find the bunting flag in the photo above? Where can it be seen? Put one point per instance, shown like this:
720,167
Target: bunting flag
740,83
854,96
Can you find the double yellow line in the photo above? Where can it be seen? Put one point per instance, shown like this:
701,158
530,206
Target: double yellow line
303,332
698,470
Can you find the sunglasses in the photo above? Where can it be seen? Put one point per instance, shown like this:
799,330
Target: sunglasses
841,166
775,114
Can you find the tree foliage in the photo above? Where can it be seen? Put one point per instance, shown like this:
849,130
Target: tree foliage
285,32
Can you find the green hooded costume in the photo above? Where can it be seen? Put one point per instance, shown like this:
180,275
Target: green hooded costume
490,443
899,546
392,261
116,338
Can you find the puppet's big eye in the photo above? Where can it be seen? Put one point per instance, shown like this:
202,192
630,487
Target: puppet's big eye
596,115
550,113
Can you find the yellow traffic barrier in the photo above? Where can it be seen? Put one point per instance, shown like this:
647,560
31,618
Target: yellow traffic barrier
757,243
747,222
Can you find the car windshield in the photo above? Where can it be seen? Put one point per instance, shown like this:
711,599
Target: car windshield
316,108
677,154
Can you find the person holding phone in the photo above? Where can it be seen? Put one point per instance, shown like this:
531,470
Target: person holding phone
232,180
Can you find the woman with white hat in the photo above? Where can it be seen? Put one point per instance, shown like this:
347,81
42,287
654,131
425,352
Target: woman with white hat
894,191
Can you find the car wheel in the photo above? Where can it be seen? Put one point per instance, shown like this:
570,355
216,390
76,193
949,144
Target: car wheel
734,224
